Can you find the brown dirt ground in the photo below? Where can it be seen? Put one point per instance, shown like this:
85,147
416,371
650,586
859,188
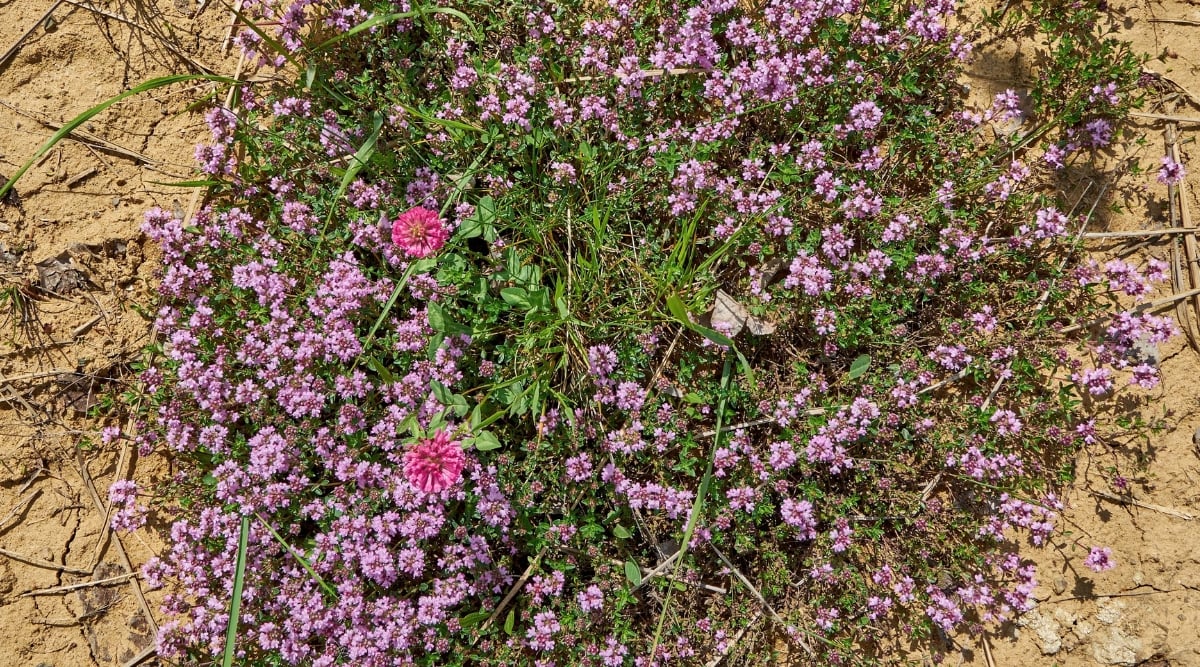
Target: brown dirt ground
78,212
82,204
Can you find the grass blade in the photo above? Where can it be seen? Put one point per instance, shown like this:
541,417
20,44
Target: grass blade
235,604
299,559
698,504
90,113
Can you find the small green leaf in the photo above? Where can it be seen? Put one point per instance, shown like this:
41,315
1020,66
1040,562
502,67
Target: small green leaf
675,305
859,366
515,296
437,317
440,322
440,392
377,366
633,573
473,619
622,532
485,441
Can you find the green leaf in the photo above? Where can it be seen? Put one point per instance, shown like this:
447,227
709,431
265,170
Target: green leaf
633,573
516,296
486,441
622,532
235,604
473,619
481,222
380,370
442,323
437,317
675,305
859,366
440,392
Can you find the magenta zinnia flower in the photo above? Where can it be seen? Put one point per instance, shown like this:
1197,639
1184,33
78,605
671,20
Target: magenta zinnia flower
435,464
419,232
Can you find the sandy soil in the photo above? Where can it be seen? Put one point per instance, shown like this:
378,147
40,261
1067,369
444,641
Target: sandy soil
76,277
77,214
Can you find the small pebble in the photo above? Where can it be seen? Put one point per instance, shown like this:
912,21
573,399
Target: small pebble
1060,586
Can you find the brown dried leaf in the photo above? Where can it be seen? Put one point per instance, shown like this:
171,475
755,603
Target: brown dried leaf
731,317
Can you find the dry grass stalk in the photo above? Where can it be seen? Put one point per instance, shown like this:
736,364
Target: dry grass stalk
1175,21
82,584
83,136
1161,509
736,640
1141,233
1189,250
1185,215
116,540
25,35
141,657
200,67
1151,306
761,600
1158,116
38,562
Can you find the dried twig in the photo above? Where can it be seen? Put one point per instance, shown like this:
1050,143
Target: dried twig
642,73
811,412
166,43
1176,21
82,328
1159,116
1152,305
38,562
1189,94
512,592
1162,509
85,174
759,596
1140,233
82,584
736,639
25,487
25,35
116,539
670,577
987,650
19,506
83,137
56,622
1185,219
237,7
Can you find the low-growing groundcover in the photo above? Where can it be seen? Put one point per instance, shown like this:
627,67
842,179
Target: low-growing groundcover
594,333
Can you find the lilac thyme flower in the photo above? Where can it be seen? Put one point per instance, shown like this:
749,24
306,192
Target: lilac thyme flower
1171,172
1100,559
